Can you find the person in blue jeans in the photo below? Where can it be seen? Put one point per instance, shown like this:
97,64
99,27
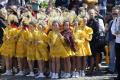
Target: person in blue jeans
111,39
103,7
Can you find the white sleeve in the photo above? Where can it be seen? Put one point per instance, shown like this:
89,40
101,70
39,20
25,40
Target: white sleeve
101,24
113,30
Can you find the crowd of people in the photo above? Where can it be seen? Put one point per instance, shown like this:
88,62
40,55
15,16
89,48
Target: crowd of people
57,41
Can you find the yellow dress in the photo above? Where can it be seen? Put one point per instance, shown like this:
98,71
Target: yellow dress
88,37
41,46
30,46
9,41
58,48
21,50
79,36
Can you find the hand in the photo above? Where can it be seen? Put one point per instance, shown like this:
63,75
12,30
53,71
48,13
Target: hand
7,37
61,36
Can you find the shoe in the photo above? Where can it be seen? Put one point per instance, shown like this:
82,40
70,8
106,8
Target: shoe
62,75
7,73
20,73
109,72
77,75
41,75
31,74
56,76
68,75
26,71
74,75
83,73
80,73
50,74
53,76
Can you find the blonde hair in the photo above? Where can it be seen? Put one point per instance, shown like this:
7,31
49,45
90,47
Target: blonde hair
13,18
3,13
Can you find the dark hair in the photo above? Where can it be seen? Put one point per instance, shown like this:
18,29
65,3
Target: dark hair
66,21
13,22
55,21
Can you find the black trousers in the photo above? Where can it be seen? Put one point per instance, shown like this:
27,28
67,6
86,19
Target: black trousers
117,51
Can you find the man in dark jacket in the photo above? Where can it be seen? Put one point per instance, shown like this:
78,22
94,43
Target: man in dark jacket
62,3
95,58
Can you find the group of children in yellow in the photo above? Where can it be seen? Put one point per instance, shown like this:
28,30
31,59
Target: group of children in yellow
62,41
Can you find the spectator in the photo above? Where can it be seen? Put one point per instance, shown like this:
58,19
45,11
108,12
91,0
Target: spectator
16,2
115,29
93,23
62,3
111,40
75,4
100,20
117,2
35,5
102,7
110,4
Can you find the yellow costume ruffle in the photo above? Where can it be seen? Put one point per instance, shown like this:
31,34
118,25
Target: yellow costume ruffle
58,48
79,36
41,51
88,37
9,41
30,46
21,50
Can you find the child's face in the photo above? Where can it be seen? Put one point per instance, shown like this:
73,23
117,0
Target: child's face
66,25
85,20
75,24
55,26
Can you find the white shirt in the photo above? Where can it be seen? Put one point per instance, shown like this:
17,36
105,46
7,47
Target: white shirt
101,27
115,28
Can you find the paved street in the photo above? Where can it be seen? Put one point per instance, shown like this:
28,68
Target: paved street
98,75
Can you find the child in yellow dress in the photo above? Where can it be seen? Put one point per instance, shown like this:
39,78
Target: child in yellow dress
9,42
69,45
87,37
41,46
57,49
31,49
21,46
79,36
21,50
